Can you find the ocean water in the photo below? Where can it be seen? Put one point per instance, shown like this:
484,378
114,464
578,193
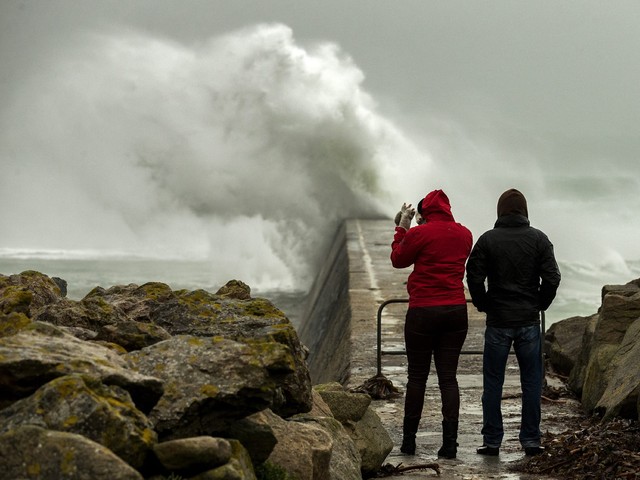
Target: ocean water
579,293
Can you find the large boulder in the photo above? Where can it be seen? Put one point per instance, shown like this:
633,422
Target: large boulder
28,292
260,436
84,406
40,353
620,308
303,450
346,461
345,406
239,466
211,381
620,397
12,323
195,454
90,313
372,441
362,424
563,343
578,372
255,434
33,452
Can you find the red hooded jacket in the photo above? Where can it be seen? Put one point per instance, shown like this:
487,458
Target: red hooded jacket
438,249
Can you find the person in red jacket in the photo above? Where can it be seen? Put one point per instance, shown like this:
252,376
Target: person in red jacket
436,322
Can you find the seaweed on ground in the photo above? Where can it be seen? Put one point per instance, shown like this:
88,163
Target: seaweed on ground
589,449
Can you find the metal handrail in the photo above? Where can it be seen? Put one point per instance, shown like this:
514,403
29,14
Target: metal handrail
463,352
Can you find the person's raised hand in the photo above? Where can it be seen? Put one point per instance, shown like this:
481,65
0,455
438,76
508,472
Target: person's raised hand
406,215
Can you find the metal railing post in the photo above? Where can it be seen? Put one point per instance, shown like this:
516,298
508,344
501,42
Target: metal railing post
542,330
380,308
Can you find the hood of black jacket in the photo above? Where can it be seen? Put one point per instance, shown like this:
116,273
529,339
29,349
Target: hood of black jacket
512,202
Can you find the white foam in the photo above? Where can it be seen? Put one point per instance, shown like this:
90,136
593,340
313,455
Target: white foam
247,149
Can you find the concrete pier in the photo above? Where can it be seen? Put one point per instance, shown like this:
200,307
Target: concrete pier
372,281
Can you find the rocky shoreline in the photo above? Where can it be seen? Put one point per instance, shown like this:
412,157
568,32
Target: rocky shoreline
597,357
138,382
599,354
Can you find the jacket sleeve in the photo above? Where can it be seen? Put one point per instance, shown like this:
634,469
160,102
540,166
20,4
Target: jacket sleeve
403,248
549,275
476,276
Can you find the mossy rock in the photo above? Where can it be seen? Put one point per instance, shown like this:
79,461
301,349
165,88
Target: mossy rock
83,405
13,323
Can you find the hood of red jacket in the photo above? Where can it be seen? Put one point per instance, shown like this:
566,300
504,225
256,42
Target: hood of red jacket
436,205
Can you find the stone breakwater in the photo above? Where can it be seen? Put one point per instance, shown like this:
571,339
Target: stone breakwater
140,381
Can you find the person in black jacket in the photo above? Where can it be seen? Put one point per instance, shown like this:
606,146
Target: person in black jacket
518,263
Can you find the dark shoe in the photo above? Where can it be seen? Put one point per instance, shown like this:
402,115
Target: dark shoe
490,451
533,450
447,451
449,436
408,444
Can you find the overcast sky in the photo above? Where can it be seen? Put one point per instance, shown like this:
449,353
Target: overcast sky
490,88
560,69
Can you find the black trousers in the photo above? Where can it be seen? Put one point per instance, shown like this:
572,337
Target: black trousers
437,332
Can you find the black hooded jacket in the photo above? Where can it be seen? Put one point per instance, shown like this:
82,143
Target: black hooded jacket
519,265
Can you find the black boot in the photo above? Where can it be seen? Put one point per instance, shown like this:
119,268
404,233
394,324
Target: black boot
408,446
409,429
449,439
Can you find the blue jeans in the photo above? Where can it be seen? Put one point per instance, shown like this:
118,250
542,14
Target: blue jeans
526,344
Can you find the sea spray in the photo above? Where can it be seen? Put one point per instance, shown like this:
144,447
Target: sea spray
244,151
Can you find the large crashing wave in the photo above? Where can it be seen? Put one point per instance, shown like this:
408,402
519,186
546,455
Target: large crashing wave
244,151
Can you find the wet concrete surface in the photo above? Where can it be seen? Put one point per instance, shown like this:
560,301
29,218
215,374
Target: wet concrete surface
373,281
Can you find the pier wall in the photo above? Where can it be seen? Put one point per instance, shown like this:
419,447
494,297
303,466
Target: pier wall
339,325
326,324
